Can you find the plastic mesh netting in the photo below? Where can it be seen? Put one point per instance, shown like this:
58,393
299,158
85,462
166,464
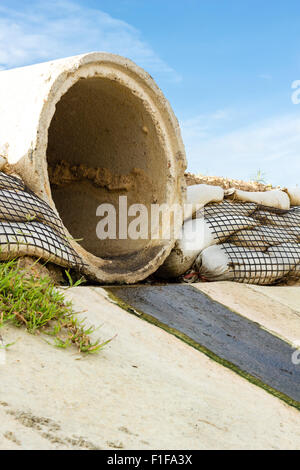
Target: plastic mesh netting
28,226
261,244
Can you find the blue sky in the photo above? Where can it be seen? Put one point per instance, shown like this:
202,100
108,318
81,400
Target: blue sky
227,67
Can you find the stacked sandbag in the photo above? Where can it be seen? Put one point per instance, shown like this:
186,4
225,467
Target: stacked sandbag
247,237
274,198
196,233
199,195
263,237
264,254
29,227
231,262
294,195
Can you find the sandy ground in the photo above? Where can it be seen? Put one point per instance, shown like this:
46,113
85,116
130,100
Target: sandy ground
145,390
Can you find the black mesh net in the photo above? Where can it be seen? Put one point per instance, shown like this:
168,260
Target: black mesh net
28,226
261,244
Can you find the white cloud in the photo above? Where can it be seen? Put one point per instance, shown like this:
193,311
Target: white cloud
266,76
49,30
203,125
272,145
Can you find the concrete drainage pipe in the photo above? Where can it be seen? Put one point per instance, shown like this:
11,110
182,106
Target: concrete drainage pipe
85,130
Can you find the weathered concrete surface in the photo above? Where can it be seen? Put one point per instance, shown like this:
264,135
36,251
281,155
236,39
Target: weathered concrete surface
214,329
275,308
147,389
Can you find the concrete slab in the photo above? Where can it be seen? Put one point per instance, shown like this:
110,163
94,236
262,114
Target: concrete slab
225,336
146,390
288,296
275,308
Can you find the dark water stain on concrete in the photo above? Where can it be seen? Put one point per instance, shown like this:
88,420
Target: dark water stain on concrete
223,335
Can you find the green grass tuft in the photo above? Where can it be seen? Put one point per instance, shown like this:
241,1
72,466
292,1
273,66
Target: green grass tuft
36,304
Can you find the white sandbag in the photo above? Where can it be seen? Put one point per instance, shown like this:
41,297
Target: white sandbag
3,161
34,239
261,238
11,182
213,264
252,239
225,225
295,272
234,208
262,270
230,262
249,265
196,236
287,220
274,198
293,231
294,195
226,208
21,206
287,259
199,195
256,267
287,254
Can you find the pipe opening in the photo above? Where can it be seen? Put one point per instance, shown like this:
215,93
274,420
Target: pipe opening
109,147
